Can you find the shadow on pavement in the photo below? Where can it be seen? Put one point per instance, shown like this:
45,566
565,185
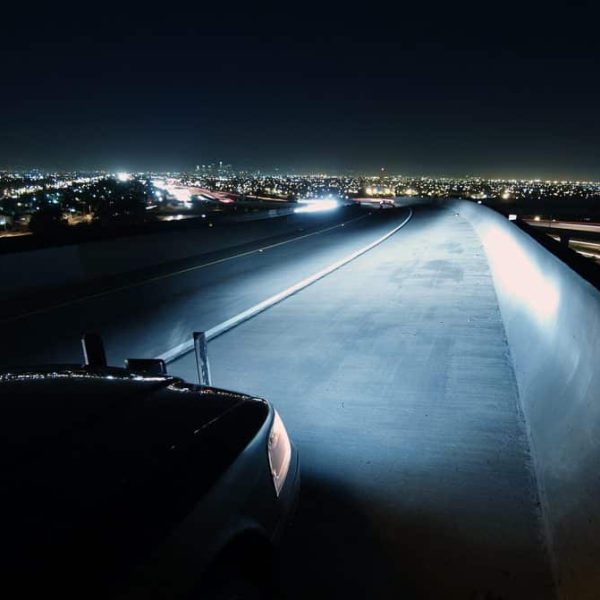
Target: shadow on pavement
338,547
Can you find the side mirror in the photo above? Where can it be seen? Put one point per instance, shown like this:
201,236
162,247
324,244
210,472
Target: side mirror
146,366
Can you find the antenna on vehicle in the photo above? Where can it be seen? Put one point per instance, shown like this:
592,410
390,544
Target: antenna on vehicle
93,350
201,350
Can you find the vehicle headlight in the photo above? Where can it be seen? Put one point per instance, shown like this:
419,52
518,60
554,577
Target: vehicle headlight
280,453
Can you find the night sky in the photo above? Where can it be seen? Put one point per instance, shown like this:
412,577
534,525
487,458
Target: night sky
492,89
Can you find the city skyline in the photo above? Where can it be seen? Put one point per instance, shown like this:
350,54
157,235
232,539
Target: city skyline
233,170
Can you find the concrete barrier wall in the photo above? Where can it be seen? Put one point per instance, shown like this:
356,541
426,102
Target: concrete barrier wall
38,268
27,271
552,322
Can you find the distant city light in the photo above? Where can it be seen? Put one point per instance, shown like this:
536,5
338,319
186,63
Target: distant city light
218,187
181,194
317,205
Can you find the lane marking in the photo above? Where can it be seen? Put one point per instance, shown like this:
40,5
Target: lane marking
46,309
181,349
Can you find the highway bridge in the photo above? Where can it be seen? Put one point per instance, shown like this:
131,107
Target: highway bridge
436,368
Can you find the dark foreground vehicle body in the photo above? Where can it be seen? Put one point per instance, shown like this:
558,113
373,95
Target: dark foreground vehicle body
118,484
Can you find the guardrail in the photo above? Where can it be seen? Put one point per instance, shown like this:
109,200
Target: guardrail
181,349
552,322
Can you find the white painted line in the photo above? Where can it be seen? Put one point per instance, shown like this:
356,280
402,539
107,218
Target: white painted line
178,351
128,286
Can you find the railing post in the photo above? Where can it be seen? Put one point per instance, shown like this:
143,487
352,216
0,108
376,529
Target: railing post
201,350
93,350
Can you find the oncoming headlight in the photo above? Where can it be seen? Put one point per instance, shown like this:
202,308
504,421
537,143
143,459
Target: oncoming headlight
280,453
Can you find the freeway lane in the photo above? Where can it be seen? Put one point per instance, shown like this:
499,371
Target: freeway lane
181,350
148,319
394,378
234,242
565,225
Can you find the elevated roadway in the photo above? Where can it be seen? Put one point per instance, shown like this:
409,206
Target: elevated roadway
396,378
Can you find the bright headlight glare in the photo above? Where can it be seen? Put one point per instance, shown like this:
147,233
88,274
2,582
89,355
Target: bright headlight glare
280,453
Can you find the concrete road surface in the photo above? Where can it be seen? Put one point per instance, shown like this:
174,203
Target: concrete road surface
144,314
394,378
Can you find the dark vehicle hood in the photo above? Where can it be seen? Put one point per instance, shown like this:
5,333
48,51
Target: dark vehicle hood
42,411
99,466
